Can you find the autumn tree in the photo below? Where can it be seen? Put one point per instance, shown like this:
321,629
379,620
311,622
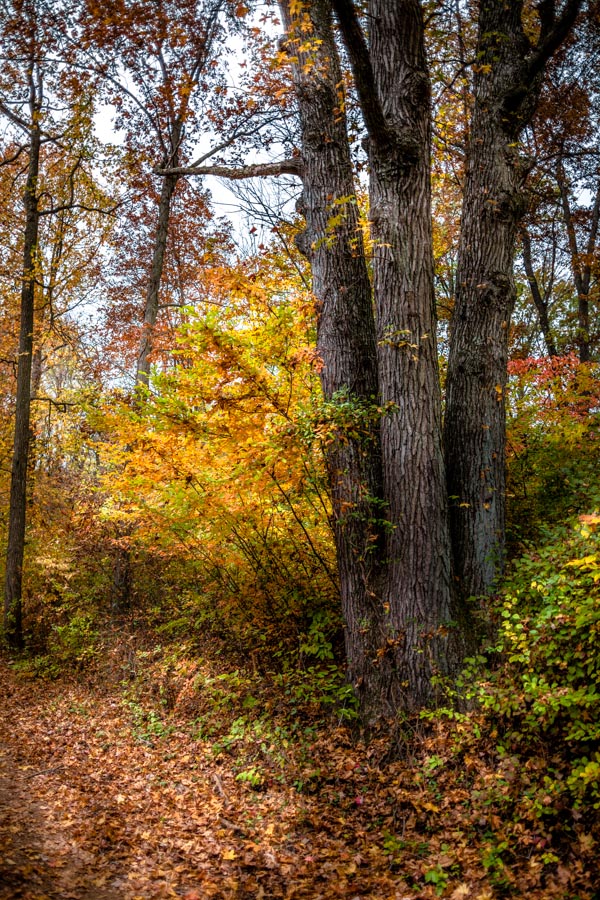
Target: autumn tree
559,233
392,81
511,57
21,36
48,115
151,66
379,377
346,343
164,75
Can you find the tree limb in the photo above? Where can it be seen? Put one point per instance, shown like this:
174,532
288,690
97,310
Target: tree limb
555,35
541,304
552,34
14,118
258,170
362,70
11,159
64,207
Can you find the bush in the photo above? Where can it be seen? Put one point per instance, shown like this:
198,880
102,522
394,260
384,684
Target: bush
545,697
553,444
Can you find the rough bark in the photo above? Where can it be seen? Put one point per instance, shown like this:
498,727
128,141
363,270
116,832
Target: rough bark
418,588
332,241
257,170
18,486
507,82
392,81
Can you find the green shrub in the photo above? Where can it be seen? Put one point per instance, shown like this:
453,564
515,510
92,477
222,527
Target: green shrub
546,693
75,642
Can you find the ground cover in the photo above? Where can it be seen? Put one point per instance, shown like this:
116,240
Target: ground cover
159,773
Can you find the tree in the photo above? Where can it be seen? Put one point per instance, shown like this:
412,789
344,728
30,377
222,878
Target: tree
29,122
346,343
160,72
393,86
152,66
508,77
379,376
49,121
559,232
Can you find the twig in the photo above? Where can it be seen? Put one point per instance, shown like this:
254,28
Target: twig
46,771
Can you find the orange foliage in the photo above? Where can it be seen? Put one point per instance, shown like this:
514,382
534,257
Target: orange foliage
220,466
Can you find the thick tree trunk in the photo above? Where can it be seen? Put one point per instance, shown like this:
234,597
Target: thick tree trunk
346,343
18,485
477,365
507,82
418,589
413,612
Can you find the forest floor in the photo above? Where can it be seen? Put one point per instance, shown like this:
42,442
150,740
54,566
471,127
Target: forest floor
150,775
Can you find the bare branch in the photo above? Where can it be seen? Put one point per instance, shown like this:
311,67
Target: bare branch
258,170
553,35
110,211
11,159
239,132
14,118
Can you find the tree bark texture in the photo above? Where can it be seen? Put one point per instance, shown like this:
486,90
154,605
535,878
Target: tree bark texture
346,341
417,592
18,485
506,87
392,82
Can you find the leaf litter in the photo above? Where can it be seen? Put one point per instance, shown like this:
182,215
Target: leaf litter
165,790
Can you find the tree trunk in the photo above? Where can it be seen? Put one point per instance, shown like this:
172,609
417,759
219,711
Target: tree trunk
122,576
540,302
413,610
18,486
346,343
142,372
507,82
417,593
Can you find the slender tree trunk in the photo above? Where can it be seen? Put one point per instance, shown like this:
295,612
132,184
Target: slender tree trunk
581,268
142,372
18,485
418,588
122,576
540,302
507,82
346,343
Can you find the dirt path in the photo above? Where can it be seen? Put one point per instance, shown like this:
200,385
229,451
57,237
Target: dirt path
39,860
44,853
90,810
109,793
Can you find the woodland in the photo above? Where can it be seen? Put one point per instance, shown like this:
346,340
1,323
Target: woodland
300,496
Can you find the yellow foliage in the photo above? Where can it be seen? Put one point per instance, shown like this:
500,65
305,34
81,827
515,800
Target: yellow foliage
216,465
